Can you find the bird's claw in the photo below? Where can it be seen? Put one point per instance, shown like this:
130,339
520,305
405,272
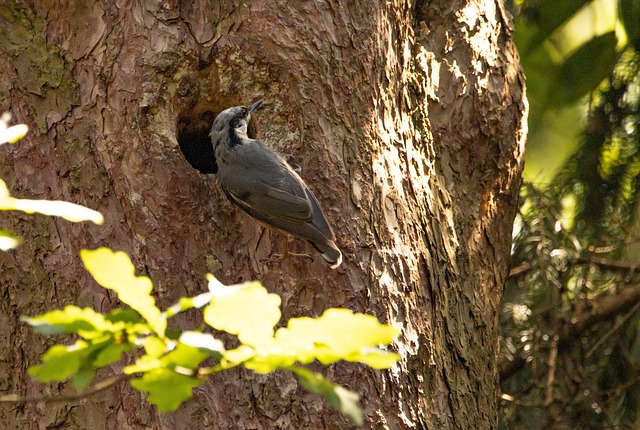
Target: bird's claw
274,258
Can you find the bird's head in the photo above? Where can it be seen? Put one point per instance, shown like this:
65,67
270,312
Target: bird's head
235,118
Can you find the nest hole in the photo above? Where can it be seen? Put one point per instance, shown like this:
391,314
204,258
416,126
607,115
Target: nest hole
193,138
193,130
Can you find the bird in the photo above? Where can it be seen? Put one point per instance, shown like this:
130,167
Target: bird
260,182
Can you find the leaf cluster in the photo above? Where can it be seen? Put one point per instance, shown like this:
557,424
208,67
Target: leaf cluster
172,365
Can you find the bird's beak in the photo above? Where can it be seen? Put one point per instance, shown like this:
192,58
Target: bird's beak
255,106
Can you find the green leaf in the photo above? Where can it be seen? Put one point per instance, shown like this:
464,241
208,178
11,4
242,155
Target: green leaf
125,316
584,70
549,15
341,399
59,362
72,319
78,360
186,356
246,310
8,240
167,389
630,16
82,378
111,353
114,270
172,354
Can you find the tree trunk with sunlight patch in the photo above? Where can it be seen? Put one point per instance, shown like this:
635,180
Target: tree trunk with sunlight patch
407,120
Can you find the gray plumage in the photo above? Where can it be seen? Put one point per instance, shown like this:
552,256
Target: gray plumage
262,184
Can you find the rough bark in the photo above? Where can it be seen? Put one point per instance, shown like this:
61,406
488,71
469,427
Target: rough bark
407,119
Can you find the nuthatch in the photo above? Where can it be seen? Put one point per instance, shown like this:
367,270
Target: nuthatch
264,185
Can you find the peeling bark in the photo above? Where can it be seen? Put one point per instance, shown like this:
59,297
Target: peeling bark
407,119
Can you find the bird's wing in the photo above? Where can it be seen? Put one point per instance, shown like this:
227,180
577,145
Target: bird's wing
268,203
265,186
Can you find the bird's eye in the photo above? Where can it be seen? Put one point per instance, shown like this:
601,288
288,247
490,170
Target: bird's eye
244,111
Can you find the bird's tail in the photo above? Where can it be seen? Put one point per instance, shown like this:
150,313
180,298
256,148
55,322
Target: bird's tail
330,252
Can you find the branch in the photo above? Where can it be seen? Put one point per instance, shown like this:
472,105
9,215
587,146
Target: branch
600,308
100,386
606,264
602,263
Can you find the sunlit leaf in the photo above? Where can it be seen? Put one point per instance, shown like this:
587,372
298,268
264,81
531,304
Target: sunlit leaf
66,210
12,134
341,399
246,310
338,334
114,270
202,341
155,347
273,355
186,303
374,357
167,389
72,320
8,240
143,364
69,211
239,355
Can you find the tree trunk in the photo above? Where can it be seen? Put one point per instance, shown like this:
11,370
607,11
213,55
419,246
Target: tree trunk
407,120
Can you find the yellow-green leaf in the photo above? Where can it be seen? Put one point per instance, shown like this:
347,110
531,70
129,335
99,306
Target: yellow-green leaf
247,310
145,363
238,356
374,357
155,347
338,334
114,270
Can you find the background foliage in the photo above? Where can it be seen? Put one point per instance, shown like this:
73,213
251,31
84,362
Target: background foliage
570,346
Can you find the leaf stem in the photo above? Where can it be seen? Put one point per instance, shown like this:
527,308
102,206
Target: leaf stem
100,386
